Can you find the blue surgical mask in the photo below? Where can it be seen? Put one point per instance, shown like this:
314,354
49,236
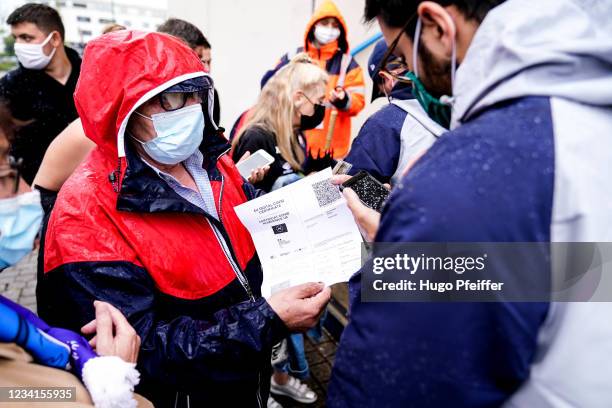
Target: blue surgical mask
20,219
179,134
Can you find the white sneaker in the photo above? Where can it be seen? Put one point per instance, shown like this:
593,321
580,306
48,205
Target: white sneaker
272,403
295,390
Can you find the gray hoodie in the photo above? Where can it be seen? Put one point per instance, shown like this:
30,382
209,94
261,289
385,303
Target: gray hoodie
561,49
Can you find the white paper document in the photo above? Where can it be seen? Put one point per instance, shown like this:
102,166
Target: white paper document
303,232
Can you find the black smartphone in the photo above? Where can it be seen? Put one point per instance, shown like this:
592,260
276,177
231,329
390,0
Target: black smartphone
370,191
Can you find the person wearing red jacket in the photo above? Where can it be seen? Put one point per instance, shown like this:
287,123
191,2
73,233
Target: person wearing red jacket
326,42
147,224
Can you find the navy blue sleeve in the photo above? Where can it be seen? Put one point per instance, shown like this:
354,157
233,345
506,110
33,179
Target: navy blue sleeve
376,149
181,350
270,73
251,191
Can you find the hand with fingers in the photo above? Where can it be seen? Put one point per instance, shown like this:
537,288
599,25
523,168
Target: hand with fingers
114,336
366,218
338,97
300,307
257,174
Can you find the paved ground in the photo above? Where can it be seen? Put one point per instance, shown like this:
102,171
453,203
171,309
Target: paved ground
18,283
320,358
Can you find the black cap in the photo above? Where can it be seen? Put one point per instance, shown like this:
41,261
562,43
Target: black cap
197,84
379,52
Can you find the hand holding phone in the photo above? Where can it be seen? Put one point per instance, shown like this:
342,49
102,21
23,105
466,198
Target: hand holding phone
371,192
259,159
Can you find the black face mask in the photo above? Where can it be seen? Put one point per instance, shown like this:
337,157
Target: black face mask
311,122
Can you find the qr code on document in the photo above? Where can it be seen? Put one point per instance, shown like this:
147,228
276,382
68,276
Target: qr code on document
326,192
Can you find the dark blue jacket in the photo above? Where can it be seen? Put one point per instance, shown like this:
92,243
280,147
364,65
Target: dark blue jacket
376,149
528,160
188,281
204,346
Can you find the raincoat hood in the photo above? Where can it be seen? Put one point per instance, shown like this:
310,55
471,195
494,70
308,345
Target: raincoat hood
559,48
327,9
122,70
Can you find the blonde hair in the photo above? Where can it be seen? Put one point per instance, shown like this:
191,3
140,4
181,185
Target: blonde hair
112,28
275,108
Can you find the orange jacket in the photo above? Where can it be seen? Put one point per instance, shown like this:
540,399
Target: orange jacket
329,57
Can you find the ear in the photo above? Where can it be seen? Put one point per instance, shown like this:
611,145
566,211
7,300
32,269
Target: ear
56,39
438,26
387,80
298,98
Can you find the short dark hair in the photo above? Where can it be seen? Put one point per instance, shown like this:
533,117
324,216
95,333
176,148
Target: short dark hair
184,30
7,123
46,18
395,13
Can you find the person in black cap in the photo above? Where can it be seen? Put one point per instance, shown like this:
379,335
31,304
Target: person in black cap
398,132
384,84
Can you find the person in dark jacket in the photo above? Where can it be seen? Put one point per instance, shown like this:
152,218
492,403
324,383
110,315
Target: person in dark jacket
40,90
398,132
291,102
527,160
147,224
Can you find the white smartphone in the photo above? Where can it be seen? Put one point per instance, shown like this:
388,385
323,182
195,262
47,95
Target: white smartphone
258,159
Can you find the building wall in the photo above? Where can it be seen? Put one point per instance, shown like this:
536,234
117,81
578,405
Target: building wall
85,19
248,37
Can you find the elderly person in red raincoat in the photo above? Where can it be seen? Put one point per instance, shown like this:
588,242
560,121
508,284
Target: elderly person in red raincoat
147,223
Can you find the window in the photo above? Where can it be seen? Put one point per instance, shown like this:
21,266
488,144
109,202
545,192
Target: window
106,21
85,32
83,19
79,5
104,7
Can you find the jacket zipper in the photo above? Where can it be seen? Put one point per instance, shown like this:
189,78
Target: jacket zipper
243,281
226,249
259,401
241,277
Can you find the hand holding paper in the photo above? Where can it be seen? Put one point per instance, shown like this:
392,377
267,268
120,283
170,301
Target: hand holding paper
303,233
301,306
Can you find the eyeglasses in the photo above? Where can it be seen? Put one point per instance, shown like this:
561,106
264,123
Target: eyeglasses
322,102
396,65
171,101
9,175
391,64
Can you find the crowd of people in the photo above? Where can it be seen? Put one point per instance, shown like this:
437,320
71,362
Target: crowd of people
115,166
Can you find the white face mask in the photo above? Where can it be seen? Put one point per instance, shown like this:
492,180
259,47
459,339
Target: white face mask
32,56
325,35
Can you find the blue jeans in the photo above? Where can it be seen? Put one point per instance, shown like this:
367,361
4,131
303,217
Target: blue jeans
296,363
